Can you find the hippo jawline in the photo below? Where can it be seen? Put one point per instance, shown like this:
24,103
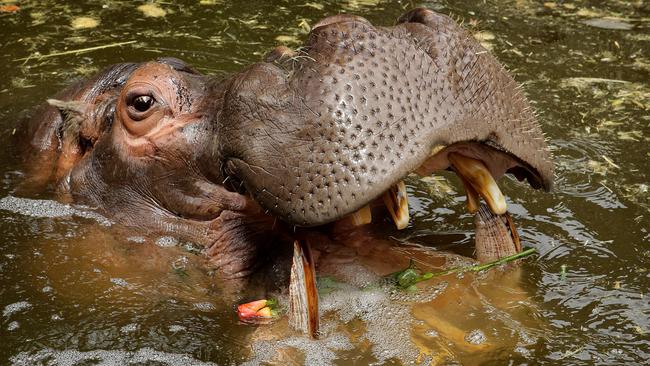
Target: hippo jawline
478,165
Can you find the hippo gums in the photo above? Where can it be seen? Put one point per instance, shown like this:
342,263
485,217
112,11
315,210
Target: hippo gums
297,142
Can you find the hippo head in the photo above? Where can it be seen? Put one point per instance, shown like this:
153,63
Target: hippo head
306,138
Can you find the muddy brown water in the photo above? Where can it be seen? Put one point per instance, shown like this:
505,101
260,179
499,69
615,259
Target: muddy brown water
73,291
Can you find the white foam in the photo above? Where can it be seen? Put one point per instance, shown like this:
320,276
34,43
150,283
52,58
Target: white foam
167,241
119,281
317,352
129,328
15,307
13,326
204,306
103,357
174,328
48,209
476,337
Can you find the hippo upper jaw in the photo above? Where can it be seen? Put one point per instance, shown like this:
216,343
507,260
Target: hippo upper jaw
317,136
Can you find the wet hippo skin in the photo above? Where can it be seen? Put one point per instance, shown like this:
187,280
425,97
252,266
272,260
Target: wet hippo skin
304,139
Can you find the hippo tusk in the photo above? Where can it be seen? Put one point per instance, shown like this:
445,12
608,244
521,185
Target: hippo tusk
496,236
303,294
476,174
362,216
396,200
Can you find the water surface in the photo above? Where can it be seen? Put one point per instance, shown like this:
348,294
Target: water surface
73,290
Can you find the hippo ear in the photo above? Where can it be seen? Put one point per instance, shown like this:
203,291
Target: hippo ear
178,65
73,113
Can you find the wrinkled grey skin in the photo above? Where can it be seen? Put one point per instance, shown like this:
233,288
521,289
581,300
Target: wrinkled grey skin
364,108
310,138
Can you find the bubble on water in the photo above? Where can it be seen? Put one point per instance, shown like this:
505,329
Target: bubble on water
56,317
49,209
47,289
119,281
15,307
167,241
176,328
136,239
388,324
431,333
129,328
13,326
424,294
102,357
317,352
476,337
263,352
525,338
522,351
204,306
355,274
180,263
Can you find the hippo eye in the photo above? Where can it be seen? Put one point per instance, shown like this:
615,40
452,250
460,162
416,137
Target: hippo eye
143,103
140,105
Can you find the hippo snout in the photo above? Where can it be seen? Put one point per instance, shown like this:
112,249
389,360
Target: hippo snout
340,123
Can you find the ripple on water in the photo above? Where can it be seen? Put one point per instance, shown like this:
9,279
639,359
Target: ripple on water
15,308
600,195
13,326
476,337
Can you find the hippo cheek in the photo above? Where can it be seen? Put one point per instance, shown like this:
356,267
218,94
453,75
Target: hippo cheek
319,135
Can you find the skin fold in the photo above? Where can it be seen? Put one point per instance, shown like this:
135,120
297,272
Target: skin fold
303,139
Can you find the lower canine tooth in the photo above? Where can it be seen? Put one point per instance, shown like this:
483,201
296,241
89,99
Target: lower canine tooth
362,216
396,200
477,175
303,294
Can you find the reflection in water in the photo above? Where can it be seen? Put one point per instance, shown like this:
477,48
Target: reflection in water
73,290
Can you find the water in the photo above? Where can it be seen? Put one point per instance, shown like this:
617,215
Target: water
76,290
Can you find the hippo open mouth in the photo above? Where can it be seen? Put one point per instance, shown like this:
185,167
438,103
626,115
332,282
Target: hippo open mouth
343,121
308,137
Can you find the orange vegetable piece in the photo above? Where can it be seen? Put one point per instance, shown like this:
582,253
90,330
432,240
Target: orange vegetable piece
9,8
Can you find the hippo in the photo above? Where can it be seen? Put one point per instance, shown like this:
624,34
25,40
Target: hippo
294,144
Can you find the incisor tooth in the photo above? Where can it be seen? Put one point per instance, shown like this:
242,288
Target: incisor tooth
477,175
362,216
397,202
